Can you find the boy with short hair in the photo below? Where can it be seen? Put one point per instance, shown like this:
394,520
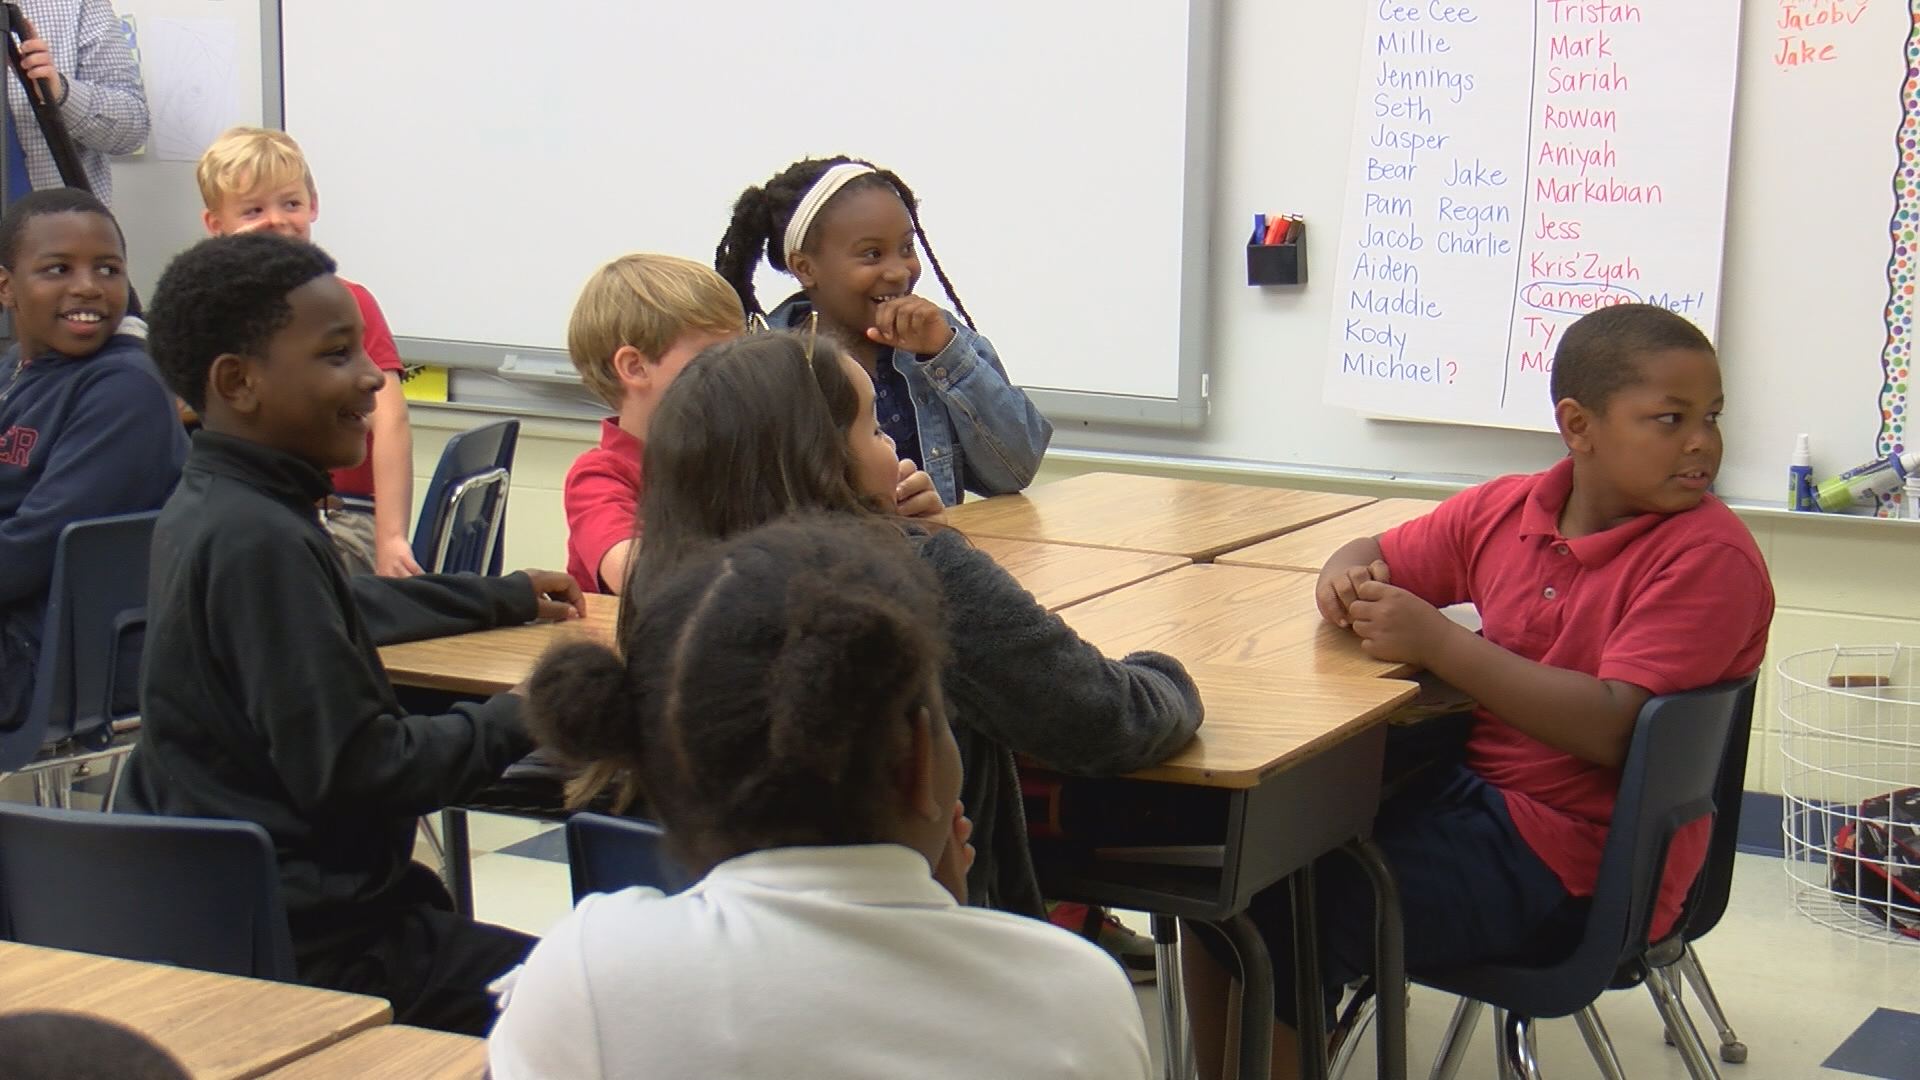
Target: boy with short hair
255,179
1610,578
86,428
638,321
262,693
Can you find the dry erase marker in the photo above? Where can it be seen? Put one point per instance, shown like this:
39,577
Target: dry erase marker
1276,231
1259,228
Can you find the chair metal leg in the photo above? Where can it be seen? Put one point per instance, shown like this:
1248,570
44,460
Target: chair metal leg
1692,1051
1513,1046
53,786
1351,1031
116,771
1599,1044
1732,1050
1175,1040
432,836
457,864
1453,1045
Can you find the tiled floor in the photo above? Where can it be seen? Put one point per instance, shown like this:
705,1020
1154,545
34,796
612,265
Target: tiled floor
1795,991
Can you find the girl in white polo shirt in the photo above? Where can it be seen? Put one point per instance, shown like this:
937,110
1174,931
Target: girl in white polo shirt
779,704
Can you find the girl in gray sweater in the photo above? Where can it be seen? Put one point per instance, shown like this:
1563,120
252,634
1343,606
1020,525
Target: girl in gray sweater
766,426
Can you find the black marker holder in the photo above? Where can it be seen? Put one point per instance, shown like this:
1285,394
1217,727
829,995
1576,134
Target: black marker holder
1278,264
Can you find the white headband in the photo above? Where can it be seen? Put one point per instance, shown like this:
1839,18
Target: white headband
825,188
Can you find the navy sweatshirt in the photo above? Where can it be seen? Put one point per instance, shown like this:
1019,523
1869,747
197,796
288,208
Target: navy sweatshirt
263,697
80,437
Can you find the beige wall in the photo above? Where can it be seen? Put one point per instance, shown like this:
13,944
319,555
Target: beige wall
1839,581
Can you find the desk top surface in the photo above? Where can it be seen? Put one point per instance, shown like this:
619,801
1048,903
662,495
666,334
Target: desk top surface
1237,615
1062,574
1260,722
1195,519
491,661
495,660
394,1053
1309,549
218,1026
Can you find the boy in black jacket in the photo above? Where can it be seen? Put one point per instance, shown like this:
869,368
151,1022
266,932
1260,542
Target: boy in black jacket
86,428
263,697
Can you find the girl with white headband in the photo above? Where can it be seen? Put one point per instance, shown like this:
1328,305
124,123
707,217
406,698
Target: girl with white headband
847,232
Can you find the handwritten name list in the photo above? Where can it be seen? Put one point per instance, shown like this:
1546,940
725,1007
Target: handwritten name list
1516,165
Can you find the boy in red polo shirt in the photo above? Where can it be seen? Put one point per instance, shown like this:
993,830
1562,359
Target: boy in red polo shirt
1610,578
638,321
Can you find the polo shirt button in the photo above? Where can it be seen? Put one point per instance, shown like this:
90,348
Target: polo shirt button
1549,592
1561,549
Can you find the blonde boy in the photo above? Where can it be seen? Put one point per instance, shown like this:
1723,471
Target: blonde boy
638,321
254,179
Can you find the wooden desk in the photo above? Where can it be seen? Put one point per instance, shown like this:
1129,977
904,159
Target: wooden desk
1260,722
491,661
394,1053
1309,548
1195,519
1060,574
1285,770
218,1026
1236,615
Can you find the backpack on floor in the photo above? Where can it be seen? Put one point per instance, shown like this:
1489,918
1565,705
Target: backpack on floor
1876,861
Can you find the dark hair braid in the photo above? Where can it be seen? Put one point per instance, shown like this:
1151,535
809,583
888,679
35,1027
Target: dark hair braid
761,215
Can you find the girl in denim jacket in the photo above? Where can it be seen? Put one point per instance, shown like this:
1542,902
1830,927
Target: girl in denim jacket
846,231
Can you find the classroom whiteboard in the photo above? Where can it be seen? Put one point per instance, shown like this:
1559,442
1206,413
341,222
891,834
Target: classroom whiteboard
1815,317
1516,165
476,165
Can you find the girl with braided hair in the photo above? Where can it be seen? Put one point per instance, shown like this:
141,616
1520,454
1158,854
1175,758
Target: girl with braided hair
850,234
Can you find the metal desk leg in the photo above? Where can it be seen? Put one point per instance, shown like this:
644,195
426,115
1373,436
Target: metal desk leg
1256,995
1174,1036
459,858
1310,997
1390,960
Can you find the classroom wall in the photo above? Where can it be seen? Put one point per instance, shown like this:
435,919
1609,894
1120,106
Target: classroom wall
1839,581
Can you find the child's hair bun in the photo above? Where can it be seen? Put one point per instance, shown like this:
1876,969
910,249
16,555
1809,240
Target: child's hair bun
579,703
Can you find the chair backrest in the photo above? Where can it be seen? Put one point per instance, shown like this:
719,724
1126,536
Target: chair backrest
88,674
192,892
463,518
606,854
1669,780
1708,900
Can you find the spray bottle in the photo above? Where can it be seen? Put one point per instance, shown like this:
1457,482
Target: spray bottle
1800,478
1863,486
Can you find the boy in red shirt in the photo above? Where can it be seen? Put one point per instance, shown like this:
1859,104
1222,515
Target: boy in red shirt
254,179
638,321
1610,578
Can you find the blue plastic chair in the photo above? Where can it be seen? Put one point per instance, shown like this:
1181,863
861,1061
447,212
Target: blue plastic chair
1673,773
88,676
192,892
606,854
462,527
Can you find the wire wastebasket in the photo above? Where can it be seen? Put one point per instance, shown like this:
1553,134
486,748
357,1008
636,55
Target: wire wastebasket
1850,735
